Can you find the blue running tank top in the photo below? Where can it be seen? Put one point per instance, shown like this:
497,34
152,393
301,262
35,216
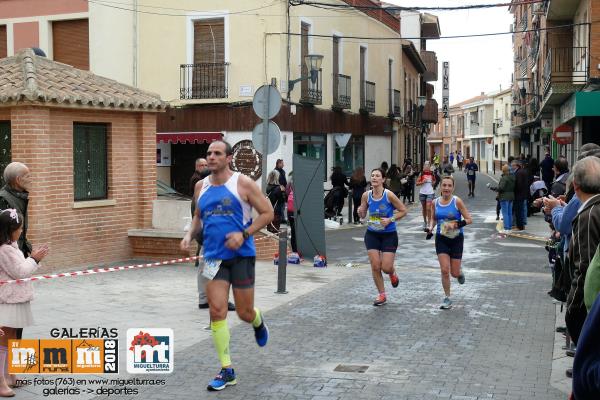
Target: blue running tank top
445,213
379,209
223,211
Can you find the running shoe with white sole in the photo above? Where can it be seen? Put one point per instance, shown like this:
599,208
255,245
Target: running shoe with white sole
226,377
380,300
446,304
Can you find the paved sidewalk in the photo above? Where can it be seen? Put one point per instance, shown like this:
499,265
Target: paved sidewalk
154,297
538,230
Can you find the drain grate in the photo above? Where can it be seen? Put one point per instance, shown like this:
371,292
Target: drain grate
351,368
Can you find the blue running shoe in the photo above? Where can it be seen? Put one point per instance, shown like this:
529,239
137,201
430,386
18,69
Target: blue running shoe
226,377
446,304
261,333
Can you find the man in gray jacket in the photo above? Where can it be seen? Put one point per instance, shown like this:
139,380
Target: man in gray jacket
584,239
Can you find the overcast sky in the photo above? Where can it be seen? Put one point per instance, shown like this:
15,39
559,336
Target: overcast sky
476,64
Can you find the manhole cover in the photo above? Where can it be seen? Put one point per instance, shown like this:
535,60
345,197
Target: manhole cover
351,368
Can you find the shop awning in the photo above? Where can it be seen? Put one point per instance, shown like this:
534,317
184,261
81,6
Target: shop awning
188,137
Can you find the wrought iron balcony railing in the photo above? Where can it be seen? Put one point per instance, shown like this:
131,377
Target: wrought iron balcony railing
203,81
367,97
396,109
523,67
566,65
312,93
341,92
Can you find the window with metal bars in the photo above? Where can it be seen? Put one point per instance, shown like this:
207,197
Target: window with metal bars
90,176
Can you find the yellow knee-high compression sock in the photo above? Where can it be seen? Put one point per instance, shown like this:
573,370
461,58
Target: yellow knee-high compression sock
220,335
257,319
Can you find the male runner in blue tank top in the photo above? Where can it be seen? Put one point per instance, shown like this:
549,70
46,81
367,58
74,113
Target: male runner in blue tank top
225,202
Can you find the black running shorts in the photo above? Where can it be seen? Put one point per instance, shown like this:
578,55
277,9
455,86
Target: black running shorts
386,242
452,247
238,271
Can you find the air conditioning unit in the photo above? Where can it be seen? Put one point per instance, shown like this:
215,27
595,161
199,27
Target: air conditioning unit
538,9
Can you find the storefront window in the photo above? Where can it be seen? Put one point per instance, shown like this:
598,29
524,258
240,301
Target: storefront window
312,146
352,156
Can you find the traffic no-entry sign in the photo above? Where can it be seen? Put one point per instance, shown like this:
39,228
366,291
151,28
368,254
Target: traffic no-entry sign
264,94
563,134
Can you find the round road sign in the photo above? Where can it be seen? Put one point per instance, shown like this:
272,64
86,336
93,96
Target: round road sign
261,96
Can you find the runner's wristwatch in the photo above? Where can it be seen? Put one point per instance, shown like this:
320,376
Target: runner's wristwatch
245,234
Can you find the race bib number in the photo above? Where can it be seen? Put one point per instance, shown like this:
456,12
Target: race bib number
211,267
375,223
447,230
471,172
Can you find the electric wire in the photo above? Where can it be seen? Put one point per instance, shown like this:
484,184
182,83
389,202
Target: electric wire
320,36
107,3
415,8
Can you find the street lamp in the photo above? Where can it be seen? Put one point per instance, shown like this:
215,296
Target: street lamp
313,63
421,101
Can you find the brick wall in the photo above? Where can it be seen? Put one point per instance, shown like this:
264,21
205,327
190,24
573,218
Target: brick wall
594,39
42,138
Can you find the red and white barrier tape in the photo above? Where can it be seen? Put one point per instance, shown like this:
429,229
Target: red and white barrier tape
113,269
101,270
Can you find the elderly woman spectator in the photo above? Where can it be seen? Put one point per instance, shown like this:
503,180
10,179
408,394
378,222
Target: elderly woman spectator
561,173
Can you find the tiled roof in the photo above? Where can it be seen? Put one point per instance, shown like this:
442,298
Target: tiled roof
26,77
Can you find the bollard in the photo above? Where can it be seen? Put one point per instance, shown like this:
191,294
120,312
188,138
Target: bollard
282,261
350,215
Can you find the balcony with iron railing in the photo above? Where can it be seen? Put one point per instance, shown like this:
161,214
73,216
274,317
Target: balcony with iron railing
341,92
523,24
523,67
203,81
474,128
534,47
367,97
566,66
312,92
430,112
395,105
431,64
410,116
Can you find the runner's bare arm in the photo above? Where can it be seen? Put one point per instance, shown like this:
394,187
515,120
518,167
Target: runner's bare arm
464,212
196,221
362,210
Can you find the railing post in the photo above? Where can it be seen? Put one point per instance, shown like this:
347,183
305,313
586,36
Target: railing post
281,268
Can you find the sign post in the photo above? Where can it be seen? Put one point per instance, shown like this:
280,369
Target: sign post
266,104
445,89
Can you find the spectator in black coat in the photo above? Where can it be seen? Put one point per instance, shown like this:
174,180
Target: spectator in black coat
521,194
339,181
547,165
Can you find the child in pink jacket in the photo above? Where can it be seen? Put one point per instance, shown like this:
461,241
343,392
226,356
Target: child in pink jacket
15,308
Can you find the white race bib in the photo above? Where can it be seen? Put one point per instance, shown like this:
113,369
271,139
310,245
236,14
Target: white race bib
211,267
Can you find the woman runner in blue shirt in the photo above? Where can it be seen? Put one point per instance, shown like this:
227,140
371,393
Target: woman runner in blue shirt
450,215
381,238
